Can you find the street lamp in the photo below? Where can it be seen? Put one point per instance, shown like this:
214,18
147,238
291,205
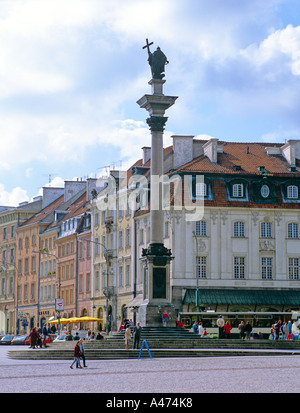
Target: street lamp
106,293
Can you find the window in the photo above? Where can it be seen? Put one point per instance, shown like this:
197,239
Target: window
88,282
4,234
127,275
81,250
96,246
201,229
127,237
201,189
292,192
266,230
32,294
265,191
237,190
12,231
33,262
120,276
201,270
293,268
103,242
120,239
238,229
26,292
293,231
266,268
97,281
26,265
141,236
3,286
4,257
239,267
11,285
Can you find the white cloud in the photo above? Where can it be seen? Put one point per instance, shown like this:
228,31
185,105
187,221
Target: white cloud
279,53
13,197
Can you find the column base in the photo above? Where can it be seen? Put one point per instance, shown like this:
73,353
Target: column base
150,314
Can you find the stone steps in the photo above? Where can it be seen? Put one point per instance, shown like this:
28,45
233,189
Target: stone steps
162,342
198,348
194,342
109,354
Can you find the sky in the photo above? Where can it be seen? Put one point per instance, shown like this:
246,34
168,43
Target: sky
71,72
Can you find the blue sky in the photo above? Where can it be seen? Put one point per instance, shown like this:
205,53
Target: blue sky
71,72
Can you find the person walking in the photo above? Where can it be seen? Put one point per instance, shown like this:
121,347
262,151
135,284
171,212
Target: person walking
45,334
165,318
137,335
127,336
220,324
195,327
82,352
76,355
33,337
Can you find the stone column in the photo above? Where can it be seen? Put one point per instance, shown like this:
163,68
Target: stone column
156,256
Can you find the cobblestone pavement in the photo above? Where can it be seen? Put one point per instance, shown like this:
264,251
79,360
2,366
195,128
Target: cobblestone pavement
245,374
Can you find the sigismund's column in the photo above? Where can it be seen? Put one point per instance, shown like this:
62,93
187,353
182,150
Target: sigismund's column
157,257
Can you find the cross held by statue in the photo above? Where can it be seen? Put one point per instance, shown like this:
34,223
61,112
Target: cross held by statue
147,46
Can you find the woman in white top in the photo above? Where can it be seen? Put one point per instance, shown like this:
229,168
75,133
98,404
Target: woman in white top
200,330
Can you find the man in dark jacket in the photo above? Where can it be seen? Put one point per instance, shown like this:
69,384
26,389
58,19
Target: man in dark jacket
137,335
45,334
247,330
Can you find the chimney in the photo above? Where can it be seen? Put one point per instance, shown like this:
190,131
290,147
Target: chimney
72,188
146,154
291,151
183,150
50,194
211,150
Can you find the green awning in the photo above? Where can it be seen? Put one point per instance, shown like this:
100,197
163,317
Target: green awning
243,297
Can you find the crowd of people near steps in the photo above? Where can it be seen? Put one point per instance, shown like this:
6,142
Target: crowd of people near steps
278,331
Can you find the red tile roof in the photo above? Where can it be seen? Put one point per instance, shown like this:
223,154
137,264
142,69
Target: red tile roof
249,156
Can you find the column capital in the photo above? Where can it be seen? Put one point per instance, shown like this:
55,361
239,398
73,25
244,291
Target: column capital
156,123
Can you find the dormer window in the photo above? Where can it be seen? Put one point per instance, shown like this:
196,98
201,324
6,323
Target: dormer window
238,190
201,189
265,191
292,192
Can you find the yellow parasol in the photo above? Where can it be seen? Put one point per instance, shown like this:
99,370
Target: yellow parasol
61,321
87,319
